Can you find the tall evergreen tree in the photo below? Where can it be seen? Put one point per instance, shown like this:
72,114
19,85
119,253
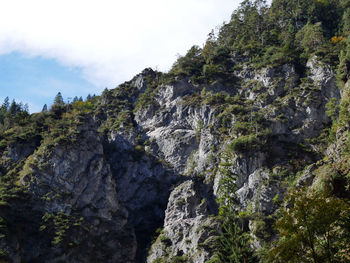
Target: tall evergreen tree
25,108
44,108
5,106
233,243
59,99
14,108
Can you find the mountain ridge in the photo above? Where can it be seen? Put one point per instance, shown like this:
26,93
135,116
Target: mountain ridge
226,158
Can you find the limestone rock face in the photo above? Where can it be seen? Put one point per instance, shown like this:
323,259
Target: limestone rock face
75,180
189,225
84,174
185,137
142,186
136,167
178,132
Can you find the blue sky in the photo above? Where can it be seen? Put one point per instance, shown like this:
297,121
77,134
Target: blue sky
36,80
82,46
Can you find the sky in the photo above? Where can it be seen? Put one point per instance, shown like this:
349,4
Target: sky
81,47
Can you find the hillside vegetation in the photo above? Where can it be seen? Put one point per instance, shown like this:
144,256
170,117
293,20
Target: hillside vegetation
240,153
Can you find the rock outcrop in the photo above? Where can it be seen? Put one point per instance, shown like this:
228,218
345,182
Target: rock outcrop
188,165
190,227
130,169
75,187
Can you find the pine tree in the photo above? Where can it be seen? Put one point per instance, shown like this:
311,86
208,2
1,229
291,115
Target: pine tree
59,99
346,22
44,108
25,108
5,106
14,108
310,37
233,244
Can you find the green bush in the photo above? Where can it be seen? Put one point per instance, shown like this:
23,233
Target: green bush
165,240
245,143
179,259
276,56
189,65
82,106
212,72
310,37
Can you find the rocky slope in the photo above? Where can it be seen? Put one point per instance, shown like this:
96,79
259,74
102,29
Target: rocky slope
118,189
260,172
144,172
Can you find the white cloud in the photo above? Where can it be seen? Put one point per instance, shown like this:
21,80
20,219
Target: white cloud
110,39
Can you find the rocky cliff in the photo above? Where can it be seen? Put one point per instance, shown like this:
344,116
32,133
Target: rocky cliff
147,171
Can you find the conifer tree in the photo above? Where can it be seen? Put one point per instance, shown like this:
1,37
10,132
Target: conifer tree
5,106
59,99
233,244
44,108
13,108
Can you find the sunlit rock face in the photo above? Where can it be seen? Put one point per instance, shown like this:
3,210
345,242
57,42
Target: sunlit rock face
140,182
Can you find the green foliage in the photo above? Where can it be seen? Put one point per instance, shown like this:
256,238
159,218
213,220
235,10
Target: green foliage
346,22
146,98
310,37
58,101
44,108
179,259
3,256
82,107
124,120
165,240
199,130
245,31
189,65
10,194
344,114
289,32
332,109
233,243
250,131
58,225
58,125
245,143
12,114
275,56
64,130
344,66
296,12
313,227
218,62
212,72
